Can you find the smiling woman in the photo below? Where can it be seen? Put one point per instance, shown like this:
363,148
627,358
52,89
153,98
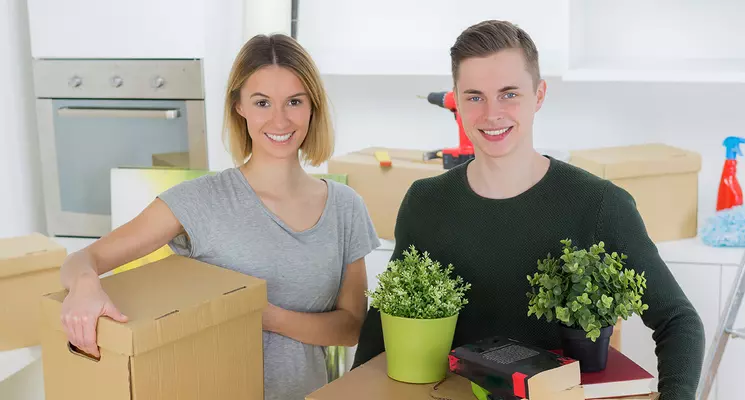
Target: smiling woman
266,217
275,97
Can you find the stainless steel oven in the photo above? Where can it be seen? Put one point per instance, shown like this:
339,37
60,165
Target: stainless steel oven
95,115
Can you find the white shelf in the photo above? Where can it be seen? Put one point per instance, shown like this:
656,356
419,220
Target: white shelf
705,71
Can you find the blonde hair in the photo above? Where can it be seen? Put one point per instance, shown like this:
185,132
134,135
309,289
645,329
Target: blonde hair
284,51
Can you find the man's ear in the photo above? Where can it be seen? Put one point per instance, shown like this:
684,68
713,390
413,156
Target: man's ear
540,94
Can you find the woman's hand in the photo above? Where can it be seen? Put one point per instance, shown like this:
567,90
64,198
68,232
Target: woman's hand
82,307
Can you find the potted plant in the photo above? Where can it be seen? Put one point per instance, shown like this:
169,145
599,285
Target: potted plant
419,303
587,291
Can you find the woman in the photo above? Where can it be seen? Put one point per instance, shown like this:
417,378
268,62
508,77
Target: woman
266,217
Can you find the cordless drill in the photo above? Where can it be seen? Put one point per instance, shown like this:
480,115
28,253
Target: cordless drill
452,157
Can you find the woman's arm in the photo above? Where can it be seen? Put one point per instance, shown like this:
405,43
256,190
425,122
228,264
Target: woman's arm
340,327
86,300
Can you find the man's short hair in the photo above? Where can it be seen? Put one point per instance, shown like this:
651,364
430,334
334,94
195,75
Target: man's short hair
489,37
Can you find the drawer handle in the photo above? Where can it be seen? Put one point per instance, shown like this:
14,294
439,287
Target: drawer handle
118,112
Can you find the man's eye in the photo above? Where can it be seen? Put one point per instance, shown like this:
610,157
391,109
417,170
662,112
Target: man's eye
510,95
262,103
474,98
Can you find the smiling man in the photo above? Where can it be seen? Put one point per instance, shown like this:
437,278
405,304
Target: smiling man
495,216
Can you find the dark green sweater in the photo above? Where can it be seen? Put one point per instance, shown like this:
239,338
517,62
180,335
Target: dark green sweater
495,244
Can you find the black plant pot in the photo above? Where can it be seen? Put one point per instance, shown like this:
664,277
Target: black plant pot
592,356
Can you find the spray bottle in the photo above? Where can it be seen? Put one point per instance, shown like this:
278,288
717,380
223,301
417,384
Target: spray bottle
730,193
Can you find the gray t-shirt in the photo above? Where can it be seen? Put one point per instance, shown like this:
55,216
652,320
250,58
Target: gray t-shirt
229,226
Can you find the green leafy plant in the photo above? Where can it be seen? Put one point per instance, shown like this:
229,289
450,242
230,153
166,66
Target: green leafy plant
418,287
586,289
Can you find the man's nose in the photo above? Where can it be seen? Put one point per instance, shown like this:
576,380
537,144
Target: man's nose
494,111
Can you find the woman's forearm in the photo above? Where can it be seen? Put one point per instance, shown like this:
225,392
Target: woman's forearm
333,328
79,268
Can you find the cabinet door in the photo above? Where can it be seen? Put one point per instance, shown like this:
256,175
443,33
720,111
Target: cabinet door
405,37
732,366
701,284
116,29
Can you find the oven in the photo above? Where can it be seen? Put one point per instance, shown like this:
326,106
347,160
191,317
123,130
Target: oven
95,115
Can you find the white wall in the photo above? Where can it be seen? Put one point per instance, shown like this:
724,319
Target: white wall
384,111
21,208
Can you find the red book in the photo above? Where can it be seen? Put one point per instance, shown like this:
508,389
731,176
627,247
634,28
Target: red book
621,377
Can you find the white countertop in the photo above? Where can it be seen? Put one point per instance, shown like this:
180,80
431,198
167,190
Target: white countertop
694,251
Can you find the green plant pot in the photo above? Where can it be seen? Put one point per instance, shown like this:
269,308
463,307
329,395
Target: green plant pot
417,349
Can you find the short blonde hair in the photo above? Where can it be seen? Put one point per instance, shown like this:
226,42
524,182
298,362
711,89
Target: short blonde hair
284,51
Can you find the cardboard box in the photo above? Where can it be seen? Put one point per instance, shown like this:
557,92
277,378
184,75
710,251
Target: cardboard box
370,381
29,269
176,160
194,332
383,188
662,179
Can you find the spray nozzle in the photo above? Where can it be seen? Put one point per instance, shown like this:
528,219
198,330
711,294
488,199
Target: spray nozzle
732,144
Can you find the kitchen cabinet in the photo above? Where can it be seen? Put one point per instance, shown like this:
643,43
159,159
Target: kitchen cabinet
404,37
117,29
656,41
578,40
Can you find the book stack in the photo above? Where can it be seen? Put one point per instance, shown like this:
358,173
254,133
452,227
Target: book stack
505,368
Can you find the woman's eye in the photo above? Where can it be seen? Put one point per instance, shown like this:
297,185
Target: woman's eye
296,102
262,103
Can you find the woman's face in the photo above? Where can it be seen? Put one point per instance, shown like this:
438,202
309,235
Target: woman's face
277,110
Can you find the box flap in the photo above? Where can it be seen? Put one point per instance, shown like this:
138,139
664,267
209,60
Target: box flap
410,157
30,253
636,160
167,300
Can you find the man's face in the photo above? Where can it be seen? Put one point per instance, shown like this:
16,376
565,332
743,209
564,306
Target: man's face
497,102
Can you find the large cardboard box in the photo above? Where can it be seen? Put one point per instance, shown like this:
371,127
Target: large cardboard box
383,188
194,332
662,179
29,269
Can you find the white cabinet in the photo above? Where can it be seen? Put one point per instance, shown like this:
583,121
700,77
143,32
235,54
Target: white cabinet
578,40
406,37
117,29
658,41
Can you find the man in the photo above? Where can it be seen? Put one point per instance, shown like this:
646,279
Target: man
496,216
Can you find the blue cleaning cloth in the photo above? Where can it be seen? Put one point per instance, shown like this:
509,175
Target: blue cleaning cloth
726,228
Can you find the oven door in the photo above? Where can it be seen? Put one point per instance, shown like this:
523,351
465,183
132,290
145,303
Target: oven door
82,140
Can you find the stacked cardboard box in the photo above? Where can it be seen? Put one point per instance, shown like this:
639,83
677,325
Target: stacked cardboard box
29,269
194,332
662,179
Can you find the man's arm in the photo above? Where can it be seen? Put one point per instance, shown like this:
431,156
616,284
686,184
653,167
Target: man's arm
678,330
371,337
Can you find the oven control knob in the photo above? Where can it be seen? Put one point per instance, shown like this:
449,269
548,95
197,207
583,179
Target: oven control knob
74,82
158,82
116,81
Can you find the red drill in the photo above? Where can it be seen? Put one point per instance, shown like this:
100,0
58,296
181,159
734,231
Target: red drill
453,156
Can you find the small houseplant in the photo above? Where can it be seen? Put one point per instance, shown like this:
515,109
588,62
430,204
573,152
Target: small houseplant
587,291
419,303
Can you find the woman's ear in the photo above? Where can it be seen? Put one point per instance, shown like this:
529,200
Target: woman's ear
239,110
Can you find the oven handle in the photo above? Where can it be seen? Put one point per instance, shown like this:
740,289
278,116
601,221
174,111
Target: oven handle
104,112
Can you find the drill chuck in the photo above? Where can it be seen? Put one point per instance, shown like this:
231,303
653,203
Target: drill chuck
437,98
